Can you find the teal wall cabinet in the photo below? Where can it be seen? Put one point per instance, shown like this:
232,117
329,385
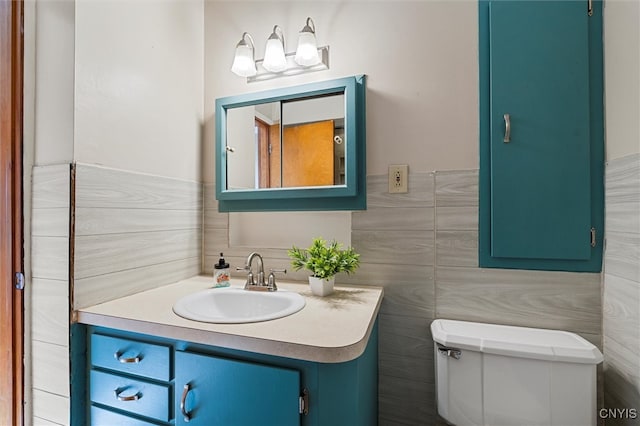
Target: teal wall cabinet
541,135
136,379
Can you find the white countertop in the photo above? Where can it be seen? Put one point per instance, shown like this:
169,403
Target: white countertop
329,329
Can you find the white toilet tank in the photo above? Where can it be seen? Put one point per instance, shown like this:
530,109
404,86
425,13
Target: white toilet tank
489,374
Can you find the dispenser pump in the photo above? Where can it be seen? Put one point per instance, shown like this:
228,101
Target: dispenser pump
221,273
222,263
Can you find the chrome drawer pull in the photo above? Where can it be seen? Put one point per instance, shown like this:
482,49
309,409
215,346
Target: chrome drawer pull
134,360
119,397
450,352
507,128
183,401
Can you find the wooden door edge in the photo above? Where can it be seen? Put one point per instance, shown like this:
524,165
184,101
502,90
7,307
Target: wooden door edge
17,61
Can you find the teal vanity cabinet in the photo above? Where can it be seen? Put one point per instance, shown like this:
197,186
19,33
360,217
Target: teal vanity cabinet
541,135
221,391
129,378
140,379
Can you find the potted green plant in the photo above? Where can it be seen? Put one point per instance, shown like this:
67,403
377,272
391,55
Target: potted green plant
324,260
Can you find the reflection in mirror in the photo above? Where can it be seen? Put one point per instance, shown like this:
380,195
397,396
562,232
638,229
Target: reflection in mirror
306,147
313,141
249,130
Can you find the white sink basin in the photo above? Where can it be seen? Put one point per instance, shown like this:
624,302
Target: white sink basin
233,305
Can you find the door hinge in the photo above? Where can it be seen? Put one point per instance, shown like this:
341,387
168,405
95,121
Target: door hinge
270,149
590,7
19,281
593,237
303,402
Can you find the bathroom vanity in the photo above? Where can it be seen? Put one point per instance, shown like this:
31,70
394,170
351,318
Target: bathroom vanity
137,362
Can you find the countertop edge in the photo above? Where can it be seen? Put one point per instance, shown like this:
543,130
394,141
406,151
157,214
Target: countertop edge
303,352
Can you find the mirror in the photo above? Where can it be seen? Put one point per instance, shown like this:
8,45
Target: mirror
298,148
285,144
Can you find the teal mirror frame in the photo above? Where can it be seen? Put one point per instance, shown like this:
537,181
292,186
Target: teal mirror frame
351,196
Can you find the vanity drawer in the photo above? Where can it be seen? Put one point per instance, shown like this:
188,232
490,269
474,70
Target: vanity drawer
130,356
131,395
102,417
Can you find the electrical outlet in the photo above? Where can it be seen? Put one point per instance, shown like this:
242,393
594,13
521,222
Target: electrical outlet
398,177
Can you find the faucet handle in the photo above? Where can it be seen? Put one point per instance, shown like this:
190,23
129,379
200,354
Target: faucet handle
247,269
271,282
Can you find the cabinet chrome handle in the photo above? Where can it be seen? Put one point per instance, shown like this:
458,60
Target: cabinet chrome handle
118,393
133,360
183,401
507,128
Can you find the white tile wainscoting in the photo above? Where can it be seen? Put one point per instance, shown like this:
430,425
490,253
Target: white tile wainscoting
621,288
421,246
50,293
131,232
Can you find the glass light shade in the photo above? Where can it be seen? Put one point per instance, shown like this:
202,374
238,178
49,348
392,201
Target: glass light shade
307,51
243,64
274,58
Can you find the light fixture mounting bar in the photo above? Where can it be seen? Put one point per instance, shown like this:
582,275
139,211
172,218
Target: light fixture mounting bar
292,67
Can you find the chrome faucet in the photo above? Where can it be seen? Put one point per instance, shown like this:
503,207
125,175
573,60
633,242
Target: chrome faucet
259,284
247,267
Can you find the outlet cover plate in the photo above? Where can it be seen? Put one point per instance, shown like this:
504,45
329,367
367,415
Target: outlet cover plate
398,178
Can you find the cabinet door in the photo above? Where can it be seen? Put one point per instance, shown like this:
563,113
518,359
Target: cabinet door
539,196
234,393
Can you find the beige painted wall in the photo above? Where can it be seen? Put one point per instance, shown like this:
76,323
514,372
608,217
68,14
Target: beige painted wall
118,84
139,84
421,59
622,77
422,86
54,35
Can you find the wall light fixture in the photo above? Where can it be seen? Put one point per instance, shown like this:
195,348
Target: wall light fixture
308,56
244,63
307,52
274,58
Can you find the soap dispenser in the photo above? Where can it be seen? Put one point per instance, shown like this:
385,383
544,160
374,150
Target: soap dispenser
221,273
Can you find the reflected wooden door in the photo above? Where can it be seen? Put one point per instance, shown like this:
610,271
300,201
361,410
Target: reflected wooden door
11,301
307,154
264,147
268,154
275,176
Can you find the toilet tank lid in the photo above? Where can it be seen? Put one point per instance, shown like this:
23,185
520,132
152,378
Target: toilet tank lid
522,342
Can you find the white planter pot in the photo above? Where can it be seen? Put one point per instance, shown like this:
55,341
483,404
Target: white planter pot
321,286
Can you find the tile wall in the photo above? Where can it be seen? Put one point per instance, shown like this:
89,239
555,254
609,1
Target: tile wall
422,248
621,289
132,232
50,294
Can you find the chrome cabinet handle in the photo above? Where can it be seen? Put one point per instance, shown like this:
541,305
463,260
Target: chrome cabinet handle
507,128
183,400
134,360
118,393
